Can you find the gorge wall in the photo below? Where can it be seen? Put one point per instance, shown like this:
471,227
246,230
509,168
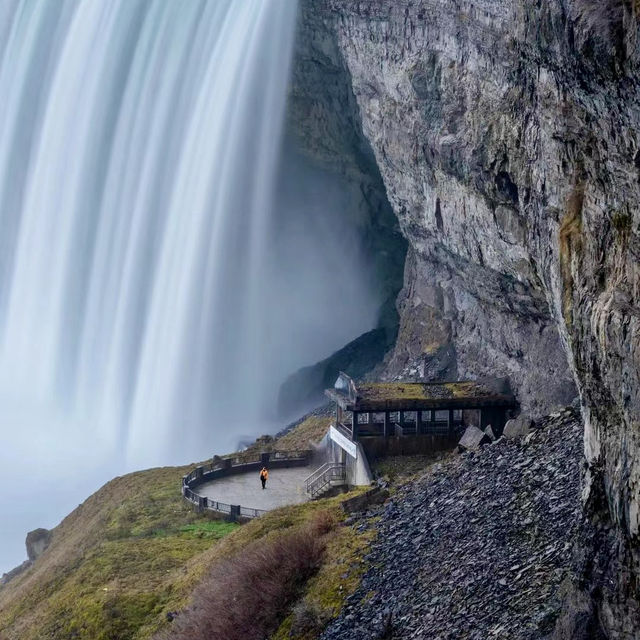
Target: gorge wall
506,136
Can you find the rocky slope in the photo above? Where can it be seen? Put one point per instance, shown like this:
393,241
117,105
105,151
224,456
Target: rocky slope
506,136
478,548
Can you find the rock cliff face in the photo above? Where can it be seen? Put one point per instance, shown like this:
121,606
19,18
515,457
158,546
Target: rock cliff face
506,134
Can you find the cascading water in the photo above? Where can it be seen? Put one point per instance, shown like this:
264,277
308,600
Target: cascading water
149,293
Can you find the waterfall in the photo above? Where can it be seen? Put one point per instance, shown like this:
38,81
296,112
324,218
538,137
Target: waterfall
152,297
139,143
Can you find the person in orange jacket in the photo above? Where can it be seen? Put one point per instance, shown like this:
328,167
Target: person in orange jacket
264,476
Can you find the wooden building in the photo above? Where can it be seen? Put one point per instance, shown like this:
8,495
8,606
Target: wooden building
400,409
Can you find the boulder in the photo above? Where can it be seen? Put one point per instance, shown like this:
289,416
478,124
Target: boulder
472,439
489,432
518,428
37,542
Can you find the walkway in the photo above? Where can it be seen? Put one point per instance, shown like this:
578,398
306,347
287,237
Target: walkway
285,486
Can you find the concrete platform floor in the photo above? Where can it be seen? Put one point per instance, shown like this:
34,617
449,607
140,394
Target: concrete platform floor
285,486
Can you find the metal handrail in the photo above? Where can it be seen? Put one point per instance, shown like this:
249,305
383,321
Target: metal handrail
323,478
317,473
345,431
325,482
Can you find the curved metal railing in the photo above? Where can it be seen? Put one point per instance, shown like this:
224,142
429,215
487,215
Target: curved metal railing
223,467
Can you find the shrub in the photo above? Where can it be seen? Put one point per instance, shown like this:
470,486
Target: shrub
322,522
309,619
246,596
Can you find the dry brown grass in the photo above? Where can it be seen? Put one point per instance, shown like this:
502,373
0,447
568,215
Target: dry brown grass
246,596
311,430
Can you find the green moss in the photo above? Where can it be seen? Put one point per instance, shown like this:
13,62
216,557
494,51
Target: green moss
462,389
415,391
570,246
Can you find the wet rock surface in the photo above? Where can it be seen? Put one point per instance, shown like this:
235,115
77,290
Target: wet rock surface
519,427
506,135
477,548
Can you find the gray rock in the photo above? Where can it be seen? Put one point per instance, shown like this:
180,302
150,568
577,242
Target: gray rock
473,439
37,543
506,136
489,432
439,561
518,428
578,620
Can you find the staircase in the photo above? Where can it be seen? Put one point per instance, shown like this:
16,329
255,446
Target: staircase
329,475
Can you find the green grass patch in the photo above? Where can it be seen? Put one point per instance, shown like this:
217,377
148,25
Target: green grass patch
212,529
116,565
135,550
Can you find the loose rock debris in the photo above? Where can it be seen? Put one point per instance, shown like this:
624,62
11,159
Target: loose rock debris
476,549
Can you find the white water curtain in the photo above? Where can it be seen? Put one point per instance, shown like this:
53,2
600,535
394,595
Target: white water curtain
140,297
152,298
138,146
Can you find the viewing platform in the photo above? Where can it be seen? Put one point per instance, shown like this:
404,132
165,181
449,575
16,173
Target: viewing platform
284,487
231,486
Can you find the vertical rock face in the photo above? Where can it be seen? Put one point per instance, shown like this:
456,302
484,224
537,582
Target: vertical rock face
323,119
506,133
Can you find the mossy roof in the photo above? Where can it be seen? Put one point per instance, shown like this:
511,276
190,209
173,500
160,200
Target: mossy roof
398,396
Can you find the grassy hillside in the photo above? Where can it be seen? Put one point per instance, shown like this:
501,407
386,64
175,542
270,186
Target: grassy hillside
116,565
134,552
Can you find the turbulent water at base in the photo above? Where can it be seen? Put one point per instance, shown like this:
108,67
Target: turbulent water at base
152,298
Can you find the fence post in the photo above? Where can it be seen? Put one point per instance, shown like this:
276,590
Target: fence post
202,504
388,425
234,514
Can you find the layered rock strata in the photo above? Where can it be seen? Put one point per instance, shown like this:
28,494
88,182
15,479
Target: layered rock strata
506,133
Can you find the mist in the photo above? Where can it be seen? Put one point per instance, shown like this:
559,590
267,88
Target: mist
165,260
